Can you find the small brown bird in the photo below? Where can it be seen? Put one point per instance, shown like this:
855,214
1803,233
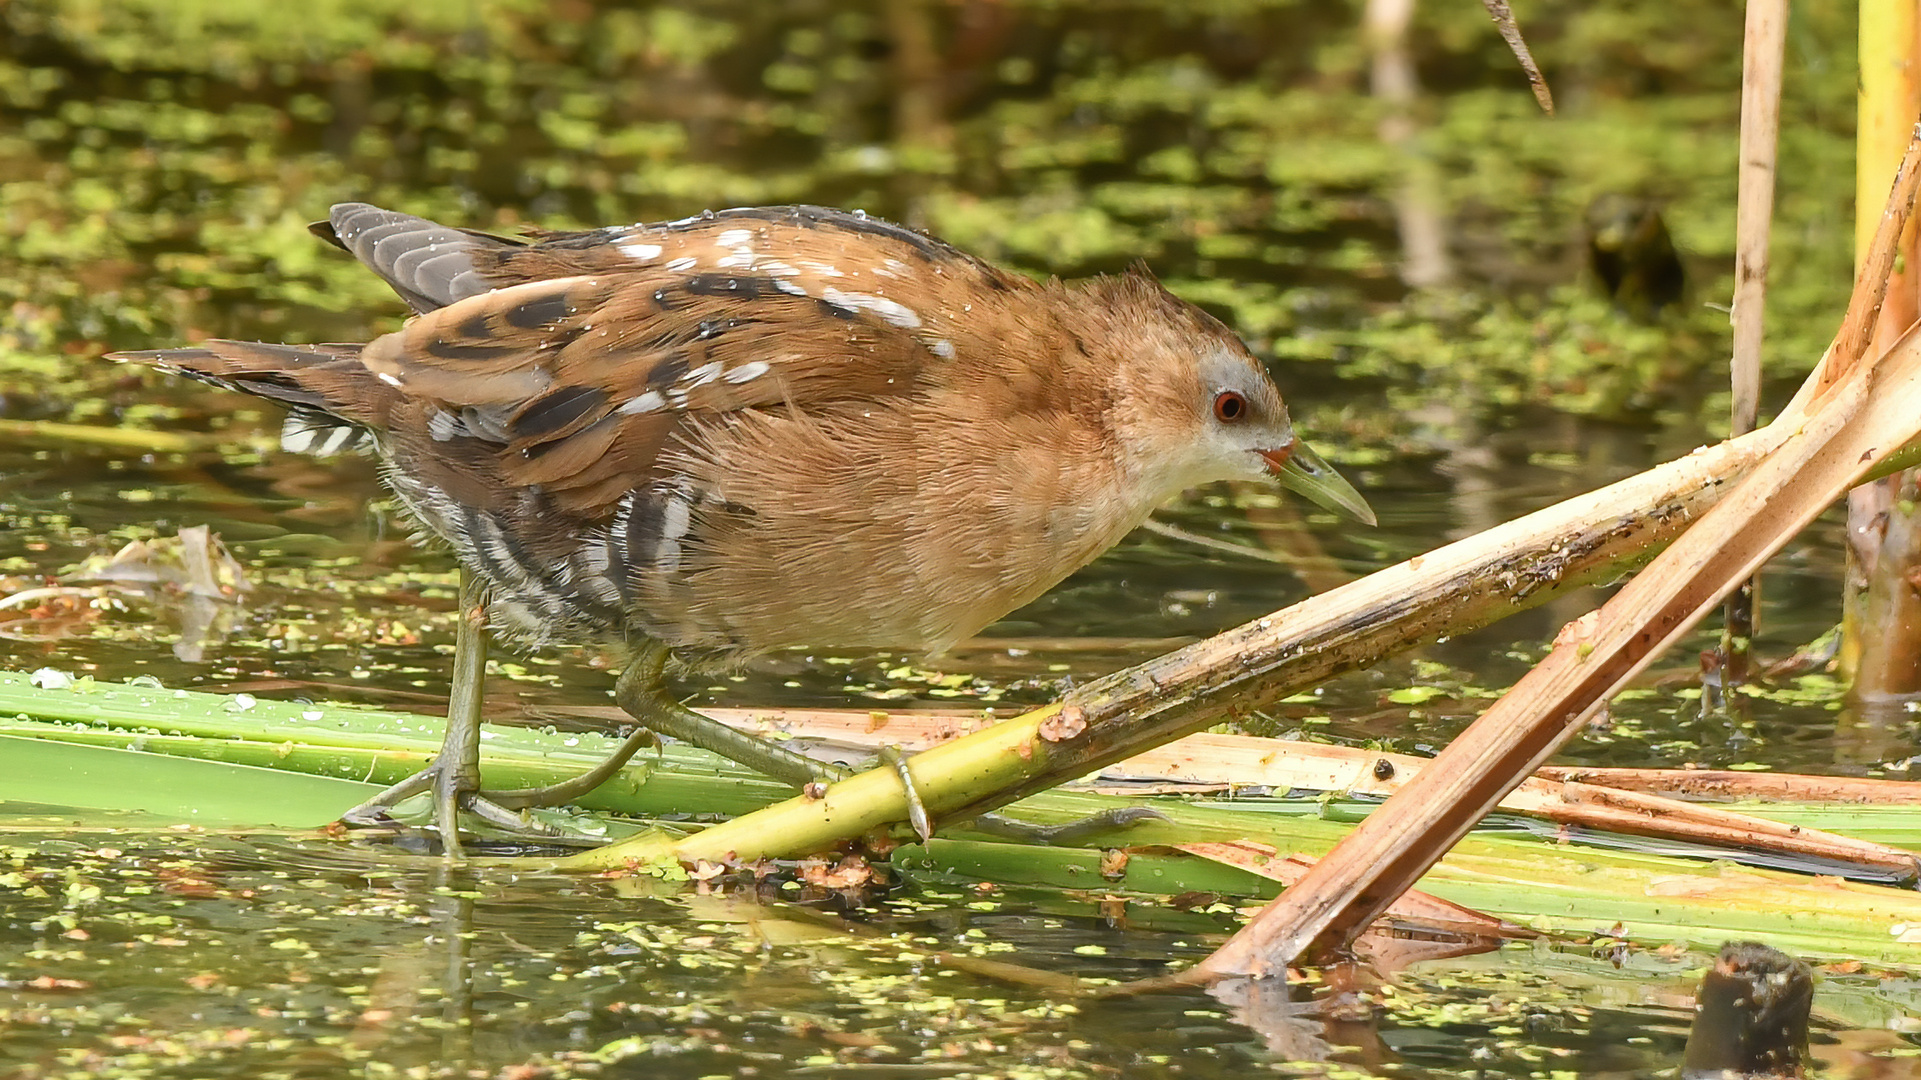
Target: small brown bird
759,429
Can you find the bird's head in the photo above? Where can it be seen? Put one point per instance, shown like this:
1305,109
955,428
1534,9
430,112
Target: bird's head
1192,405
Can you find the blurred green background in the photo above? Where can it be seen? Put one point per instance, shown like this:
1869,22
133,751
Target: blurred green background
160,158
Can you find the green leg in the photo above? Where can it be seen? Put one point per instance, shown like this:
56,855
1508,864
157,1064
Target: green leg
454,775
457,767
642,692
923,825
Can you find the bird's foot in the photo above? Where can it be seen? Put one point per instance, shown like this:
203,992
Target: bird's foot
917,817
1013,828
501,815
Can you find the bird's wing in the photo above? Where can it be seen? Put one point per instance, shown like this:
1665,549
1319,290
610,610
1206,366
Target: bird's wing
429,264
595,350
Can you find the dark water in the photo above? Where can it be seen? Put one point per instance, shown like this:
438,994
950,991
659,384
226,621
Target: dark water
158,172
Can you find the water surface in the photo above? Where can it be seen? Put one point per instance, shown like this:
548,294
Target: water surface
159,171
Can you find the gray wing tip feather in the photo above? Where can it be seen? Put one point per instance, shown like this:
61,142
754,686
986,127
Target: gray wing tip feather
429,264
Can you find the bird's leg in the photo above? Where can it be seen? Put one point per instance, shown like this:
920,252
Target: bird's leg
891,757
642,691
457,767
454,775
1013,828
646,664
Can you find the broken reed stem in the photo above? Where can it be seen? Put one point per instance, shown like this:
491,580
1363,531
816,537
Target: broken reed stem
1593,657
1765,42
1845,420
1870,284
1760,122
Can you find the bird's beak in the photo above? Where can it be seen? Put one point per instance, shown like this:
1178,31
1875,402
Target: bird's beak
1301,470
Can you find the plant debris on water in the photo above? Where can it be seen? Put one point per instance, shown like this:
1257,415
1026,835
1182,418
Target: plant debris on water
157,172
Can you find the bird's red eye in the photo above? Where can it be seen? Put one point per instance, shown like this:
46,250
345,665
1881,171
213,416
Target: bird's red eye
1229,406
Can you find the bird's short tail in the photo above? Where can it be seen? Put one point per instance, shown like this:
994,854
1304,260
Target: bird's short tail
335,403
